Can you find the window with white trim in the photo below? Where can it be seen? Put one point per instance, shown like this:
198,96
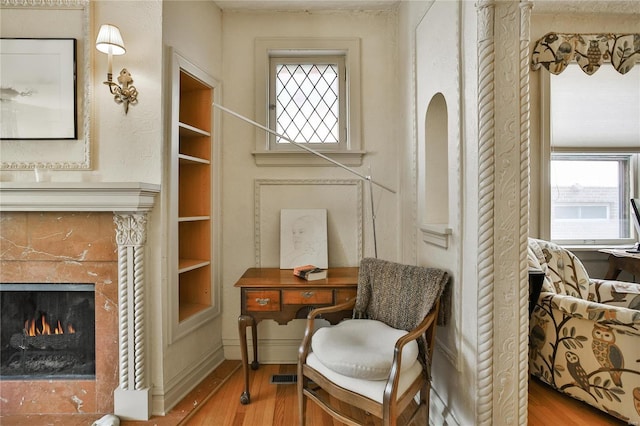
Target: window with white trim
308,90
307,101
592,145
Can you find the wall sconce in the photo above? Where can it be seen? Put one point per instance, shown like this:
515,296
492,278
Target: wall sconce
109,41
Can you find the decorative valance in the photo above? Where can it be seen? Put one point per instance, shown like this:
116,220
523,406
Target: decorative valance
554,51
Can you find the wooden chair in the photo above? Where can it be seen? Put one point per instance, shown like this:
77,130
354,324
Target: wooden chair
379,360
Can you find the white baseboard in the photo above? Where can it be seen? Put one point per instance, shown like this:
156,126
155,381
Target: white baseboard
271,351
187,380
439,413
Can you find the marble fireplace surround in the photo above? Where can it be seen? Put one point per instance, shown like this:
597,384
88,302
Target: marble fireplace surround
56,232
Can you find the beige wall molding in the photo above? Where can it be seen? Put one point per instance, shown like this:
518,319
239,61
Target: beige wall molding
71,20
345,216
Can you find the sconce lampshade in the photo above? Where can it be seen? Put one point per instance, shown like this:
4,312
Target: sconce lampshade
109,40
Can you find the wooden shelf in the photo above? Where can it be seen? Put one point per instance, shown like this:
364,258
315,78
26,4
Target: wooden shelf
187,159
194,291
186,265
187,131
192,190
193,218
187,310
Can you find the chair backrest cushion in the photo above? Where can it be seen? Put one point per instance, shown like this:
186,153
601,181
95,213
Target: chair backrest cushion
536,260
565,271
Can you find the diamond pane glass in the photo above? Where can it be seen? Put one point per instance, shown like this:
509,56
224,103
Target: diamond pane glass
307,102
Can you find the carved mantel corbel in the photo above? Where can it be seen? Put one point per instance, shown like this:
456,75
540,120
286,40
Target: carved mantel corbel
132,398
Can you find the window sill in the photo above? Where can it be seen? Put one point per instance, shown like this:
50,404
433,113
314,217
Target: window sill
304,158
595,248
436,234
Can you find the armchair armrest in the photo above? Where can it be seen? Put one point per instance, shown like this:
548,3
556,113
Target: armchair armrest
615,293
426,326
620,318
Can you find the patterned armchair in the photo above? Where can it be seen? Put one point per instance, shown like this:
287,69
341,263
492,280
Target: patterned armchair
585,334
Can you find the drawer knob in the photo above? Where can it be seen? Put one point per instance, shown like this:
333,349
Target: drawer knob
262,302
307,294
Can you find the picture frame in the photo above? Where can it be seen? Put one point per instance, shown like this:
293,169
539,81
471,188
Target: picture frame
303,238
39,89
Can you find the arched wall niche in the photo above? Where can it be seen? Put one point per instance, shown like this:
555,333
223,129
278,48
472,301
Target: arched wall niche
436,209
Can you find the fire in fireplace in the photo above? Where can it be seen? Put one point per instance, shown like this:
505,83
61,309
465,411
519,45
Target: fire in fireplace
47,331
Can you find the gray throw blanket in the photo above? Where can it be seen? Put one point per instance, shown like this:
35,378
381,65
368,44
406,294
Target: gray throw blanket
400,296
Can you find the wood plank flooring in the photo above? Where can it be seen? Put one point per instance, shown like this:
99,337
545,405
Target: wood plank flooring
277,405
216,402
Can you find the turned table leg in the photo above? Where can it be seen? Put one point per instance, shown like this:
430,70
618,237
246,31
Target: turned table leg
243,322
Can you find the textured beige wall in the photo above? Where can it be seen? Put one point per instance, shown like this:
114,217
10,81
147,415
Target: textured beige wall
377,31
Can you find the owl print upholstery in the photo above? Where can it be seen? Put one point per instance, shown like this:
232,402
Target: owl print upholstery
576,370
584,334
607,353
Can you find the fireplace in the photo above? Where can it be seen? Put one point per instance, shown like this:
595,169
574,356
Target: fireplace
56,250
56,233
47,331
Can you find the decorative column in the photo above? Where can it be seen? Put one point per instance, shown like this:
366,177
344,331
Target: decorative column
486,210
132,399
503,148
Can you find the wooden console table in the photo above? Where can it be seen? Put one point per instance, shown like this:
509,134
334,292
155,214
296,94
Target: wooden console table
276,294
622,260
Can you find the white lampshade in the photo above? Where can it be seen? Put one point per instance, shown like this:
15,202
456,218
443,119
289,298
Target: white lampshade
109,40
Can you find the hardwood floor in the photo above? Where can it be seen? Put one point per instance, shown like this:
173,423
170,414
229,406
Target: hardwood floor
216,402
546,403
277,405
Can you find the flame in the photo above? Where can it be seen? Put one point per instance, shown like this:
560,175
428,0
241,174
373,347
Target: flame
34,327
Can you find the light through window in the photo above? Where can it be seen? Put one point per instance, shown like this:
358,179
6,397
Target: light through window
306,107
593,139
307,101
590,197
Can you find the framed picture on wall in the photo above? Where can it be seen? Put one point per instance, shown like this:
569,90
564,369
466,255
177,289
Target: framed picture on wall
303,238
38,88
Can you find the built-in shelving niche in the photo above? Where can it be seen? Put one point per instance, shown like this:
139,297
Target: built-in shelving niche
193,206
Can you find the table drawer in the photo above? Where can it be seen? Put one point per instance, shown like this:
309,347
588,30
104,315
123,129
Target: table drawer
262,300
345,295
307,297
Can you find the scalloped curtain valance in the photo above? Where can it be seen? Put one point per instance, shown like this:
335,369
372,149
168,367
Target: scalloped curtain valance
554,51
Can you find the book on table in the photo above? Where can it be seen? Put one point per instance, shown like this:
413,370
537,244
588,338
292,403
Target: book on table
310,272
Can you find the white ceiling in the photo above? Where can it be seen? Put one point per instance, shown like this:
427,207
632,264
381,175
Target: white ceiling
540,6
306,4
587,6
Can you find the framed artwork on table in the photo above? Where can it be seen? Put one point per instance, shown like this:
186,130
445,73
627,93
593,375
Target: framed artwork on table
38,84
303,238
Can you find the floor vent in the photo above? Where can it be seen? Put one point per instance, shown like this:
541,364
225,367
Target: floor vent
284,379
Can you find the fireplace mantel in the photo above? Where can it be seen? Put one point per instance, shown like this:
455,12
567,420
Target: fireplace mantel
129,203
77,196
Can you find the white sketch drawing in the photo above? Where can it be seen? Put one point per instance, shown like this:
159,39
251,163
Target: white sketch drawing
303,238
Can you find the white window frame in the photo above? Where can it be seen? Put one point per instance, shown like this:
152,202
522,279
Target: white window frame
338,61
545,173
350,153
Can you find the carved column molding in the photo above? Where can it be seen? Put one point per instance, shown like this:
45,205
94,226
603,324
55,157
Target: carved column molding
503,144
133,393
525,124
486,194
